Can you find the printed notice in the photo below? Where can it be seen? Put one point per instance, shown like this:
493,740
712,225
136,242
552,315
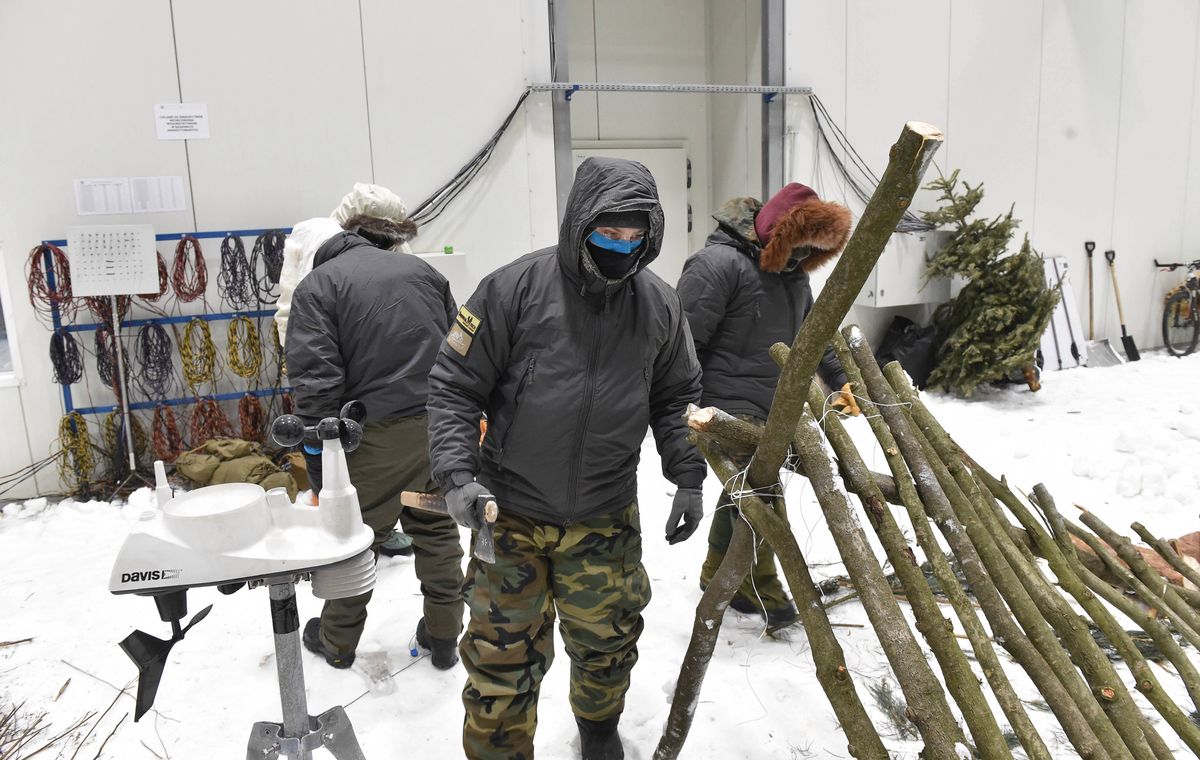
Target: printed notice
155,194
181,121
102,195
112,260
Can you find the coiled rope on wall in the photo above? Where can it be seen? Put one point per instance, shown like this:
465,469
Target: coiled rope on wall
253,418
42,296
199,355
191,282
244,349
235,281
75,461
168,443
208,422
152,350
66,357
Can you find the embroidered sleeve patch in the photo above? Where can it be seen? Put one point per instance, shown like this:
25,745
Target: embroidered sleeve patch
468,321
459,340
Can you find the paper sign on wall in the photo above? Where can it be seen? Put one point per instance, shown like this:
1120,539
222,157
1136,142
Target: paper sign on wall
102,195
181,121
118,259
155,194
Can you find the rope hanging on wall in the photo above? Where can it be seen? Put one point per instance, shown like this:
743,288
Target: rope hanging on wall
66,358
112,435
199,354
288,404
106,358
235,281
190,283
208,422
252,417
152,350
164,283
268,248
168,444
101,308
244,350
42,297
75,462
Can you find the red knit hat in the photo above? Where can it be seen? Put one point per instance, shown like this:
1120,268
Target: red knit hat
796,216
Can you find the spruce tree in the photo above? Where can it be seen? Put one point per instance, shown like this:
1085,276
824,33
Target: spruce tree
993,327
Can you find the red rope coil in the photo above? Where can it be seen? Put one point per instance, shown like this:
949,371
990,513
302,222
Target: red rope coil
168,444
42,297
192,283
208,422
253,418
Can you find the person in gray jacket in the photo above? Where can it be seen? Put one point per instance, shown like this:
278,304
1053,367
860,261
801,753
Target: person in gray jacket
571,351
365,325
746,290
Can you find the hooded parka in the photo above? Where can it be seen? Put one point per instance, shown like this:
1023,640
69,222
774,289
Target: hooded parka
570,368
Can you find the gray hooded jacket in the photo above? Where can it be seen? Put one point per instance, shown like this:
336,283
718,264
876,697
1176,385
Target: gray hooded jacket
570,368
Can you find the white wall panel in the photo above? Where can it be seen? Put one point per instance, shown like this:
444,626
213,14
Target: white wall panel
734,121
1156,109
995,62
78,102
1077,137
287,109
1190,246
815,57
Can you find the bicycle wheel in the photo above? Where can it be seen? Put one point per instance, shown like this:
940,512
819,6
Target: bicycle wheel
1181,323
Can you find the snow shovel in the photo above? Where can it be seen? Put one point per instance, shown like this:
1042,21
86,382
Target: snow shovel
1100,352
1131,351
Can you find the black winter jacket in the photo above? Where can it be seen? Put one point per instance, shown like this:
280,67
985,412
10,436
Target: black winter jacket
365,324
570,368
736,312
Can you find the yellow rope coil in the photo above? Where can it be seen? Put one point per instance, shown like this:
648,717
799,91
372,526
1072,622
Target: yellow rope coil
199,355
75,462
114,441
244,351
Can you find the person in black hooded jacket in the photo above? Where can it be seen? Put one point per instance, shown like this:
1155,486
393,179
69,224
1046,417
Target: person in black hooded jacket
365,325
746,290
571,351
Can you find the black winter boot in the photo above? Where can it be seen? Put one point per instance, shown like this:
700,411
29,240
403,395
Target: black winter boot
598,739
444,651
313,643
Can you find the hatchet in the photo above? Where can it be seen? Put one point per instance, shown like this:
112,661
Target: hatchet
484,547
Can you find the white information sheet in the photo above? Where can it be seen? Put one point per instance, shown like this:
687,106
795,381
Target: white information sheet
117,259
181,121
154,194
102,195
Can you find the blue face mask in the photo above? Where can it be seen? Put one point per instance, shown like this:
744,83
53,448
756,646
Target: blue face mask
623,247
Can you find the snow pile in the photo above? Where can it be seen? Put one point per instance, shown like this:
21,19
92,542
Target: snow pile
1122,441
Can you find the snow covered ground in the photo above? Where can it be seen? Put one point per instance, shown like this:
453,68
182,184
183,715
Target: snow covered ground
1123,441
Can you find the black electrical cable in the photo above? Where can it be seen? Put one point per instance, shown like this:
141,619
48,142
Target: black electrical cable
268,248
106,357
155,368
66,358
235,282
432,207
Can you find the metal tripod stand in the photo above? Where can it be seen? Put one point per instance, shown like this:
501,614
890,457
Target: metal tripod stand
300,733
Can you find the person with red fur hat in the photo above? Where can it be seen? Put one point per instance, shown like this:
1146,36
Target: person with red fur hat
744,291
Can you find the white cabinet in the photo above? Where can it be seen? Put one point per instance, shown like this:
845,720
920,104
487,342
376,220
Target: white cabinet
899,277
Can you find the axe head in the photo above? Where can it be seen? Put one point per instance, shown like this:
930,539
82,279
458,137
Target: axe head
483,548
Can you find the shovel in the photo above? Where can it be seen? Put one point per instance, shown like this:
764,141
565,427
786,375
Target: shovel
1131,351
1100,352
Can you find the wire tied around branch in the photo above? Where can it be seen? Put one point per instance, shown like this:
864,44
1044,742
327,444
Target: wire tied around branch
244,349
190,283
199,354
44,297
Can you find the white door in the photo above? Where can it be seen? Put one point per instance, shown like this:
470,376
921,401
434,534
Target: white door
669,167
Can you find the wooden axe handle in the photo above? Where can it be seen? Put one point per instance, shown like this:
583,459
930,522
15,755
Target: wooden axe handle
431,502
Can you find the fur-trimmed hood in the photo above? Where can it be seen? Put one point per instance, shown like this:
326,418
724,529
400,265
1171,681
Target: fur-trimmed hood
821,225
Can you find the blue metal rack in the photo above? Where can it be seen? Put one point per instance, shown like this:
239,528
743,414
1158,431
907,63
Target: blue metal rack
56,321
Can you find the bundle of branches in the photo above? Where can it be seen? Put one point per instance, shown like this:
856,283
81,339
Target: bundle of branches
1034,615
992,328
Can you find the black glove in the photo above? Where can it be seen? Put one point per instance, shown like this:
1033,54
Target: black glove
462,504
686,511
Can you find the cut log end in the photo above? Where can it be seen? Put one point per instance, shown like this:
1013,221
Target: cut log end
926,131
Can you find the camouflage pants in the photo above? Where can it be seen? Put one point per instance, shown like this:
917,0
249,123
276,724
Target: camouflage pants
591,574
394,457
763,581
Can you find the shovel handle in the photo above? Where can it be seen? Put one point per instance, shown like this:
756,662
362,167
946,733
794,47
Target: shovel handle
1111,256
1090,247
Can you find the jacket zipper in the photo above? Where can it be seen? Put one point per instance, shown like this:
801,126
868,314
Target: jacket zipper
522,388
585,415
791,311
